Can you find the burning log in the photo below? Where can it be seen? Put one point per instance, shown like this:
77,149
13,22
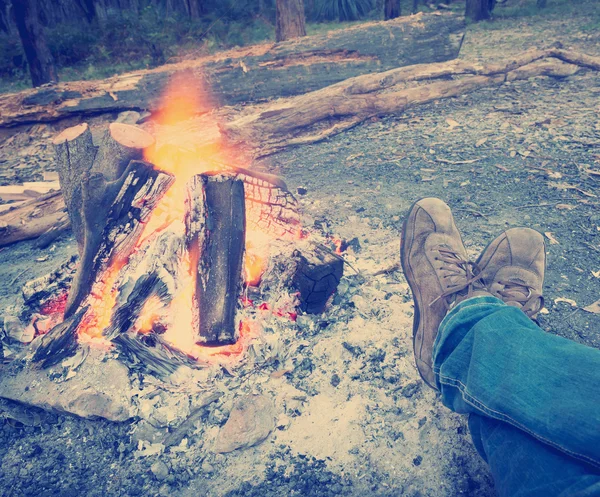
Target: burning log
216,226
60,342
77,158
114,213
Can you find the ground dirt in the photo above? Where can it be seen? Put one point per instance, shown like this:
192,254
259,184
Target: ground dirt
353,417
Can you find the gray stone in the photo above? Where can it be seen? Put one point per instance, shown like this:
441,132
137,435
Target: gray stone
100,388
159,470
250,422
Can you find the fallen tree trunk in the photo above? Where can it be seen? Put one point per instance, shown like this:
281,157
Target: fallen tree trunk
318,115
268,128
33,218
254,73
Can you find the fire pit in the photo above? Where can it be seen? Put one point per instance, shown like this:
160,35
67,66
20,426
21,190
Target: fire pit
181,247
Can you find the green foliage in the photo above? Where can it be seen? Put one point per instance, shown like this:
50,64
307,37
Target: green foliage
344,10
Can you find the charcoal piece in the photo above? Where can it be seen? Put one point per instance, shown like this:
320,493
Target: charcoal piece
317,276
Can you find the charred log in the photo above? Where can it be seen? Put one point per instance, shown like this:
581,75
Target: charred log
216,225
317,276
77,157
60,342
114,213
154,357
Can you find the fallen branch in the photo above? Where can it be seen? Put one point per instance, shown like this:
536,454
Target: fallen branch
324,113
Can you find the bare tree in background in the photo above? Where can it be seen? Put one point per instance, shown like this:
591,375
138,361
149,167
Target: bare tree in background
31,32
290,19
392,9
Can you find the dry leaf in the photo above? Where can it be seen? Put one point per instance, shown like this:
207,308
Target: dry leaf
554,174
502,168
593,308
565,207
280,373
550,236
480,142
571,302
513,153
452,123
596,274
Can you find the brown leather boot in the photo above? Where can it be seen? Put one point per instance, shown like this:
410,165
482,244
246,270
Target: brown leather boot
513,267
438,271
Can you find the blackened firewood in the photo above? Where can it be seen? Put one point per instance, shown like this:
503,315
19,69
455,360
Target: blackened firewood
60,342
318,273
216,225
127,312
159,360
270,206
114,213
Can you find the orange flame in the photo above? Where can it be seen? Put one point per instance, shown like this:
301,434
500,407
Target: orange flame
183,149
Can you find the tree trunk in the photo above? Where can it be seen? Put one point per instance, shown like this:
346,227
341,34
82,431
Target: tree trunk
263,72
289,20
415,7
39,58
478,10
392,9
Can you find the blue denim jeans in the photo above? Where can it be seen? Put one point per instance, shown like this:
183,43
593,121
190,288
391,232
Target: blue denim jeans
533,399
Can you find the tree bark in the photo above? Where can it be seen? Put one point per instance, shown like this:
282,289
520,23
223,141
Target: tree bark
39,58
321,114
290,20
392,9
478,10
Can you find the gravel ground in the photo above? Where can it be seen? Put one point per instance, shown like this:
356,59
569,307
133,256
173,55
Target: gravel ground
354,419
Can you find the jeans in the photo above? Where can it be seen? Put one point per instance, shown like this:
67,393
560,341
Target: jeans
533,398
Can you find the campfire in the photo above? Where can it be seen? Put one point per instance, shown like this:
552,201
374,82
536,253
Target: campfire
178,239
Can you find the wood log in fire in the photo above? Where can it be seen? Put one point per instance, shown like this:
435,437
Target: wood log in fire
216,231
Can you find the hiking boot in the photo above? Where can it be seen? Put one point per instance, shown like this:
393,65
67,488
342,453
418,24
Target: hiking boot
512,269
438,271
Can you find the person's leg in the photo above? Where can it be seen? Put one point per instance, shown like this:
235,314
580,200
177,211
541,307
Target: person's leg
490,359
525,467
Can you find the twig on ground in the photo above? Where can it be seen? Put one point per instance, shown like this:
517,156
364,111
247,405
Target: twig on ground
472,211
448,161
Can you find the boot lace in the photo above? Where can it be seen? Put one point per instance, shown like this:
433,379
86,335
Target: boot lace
524,296
463,275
